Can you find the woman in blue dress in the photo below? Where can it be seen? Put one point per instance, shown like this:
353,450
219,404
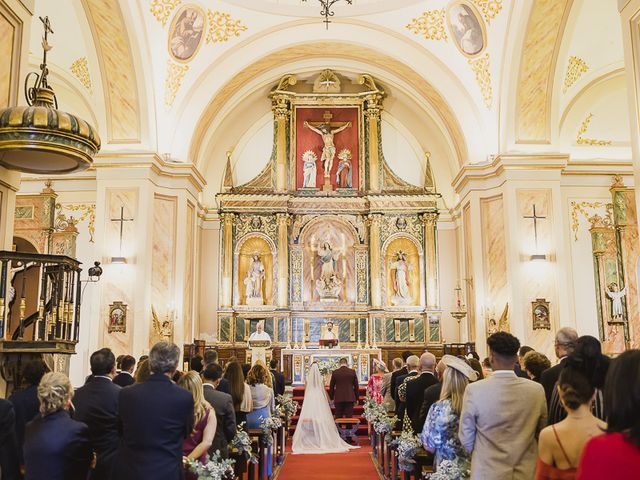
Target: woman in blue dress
440,432
259,380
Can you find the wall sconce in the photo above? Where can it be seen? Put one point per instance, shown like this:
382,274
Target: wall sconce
118,260
536,257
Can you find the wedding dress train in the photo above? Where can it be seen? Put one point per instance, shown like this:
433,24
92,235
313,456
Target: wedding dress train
316,431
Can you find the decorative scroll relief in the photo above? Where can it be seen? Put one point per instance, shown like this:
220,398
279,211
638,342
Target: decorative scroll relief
489,8
361,276
408,224
161,9
430,25
356,221
256,223
296,275
173,80
581,209
482,69
86,211
222,27
581,140
80,70
575,68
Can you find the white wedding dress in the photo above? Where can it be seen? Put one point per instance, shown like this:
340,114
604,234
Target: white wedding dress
316,431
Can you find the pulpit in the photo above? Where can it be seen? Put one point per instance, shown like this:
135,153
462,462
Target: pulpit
259,350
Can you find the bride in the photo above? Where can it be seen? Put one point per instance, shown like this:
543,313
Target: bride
316,431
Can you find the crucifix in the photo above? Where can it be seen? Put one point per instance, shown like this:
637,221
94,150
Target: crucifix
535,217
121,221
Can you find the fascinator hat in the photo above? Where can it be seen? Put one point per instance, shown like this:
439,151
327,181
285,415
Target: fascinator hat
461,366
380,363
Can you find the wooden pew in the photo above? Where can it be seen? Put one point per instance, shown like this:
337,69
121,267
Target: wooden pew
348,427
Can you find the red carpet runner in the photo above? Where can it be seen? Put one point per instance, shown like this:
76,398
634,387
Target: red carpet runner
355,464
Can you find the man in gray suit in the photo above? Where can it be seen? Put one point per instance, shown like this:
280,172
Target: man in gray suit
223,406
502,417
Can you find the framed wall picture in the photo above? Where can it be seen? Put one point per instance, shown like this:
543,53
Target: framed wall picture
540,314
117,317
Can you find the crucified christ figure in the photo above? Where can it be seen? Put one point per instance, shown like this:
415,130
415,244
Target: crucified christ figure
329,148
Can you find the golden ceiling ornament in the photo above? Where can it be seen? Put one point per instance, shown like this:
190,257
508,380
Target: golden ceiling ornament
173,80
326,11
161,9
489,8
575,68
222,27
582,140
39,138
80,69
482,69
431,25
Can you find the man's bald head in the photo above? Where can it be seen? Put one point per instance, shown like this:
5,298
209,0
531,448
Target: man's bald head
413,362
427,362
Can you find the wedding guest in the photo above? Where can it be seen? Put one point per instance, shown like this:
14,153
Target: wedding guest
119,363
262,399
440,432
431,395
413,363
125,377
500,400
143,372
415,389
486,368
389,403
196,364
9,466
519,368
240,392
560,445
245,369
196,446
278,385
96,404
477,367
177,375
588,352
56,447
396,375
269,380
564,345
376,379
617,453
534,363
211,356
143,358
222,404
156,416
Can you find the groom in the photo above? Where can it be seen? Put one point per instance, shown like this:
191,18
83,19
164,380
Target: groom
344,390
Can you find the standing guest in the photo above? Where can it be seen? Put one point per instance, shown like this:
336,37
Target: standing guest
389,403
9,467
96,404
498,452
119,363
278,385
616,455
245,369
561,445
473,354
413,363
196,363
431,394
263,401
477,367
269,380
196,446
143,372
564,345
211,356
156,416
222,404
440,432
396,375
415,389
486,367
344,390
524,349
25,402
376,380
534,363
125,377
240,392
56,447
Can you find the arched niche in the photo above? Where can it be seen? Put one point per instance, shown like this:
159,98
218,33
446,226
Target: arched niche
246,248
410,246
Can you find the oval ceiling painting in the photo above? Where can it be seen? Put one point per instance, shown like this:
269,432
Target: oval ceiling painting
185,33
467,28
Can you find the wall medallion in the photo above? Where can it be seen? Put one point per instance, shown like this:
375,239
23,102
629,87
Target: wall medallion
185,33
467,28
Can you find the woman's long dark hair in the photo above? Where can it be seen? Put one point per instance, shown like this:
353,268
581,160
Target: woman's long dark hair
589,360
622,396
234,375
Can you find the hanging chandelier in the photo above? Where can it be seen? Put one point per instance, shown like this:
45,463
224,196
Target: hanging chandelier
327,11
39,138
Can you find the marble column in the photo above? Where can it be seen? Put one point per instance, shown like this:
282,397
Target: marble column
281,112
374,255
429,221
226,299
283,259
372,114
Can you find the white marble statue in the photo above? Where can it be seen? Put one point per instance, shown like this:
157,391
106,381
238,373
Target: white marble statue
616,295
328,285
400,274
253,281
309,159
329,148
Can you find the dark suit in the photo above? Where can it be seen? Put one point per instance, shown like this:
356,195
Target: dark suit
278,386
56,447
548,379
431,396
8,445
400,405
344,391
124,379
156,417
394,382
96,404
27,407
222,403
224,386
415,397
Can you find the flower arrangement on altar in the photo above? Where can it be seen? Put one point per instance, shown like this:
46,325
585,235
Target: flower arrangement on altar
326,367
407,445
214,469
268,425
286,406
242,444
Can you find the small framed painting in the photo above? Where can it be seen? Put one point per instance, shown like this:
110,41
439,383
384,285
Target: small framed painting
540,314
117,317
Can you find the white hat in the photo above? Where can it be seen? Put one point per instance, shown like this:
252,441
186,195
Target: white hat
461,366
380,363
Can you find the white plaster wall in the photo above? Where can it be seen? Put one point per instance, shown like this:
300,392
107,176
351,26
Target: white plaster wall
210,268
448,276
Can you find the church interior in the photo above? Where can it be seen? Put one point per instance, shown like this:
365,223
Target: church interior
416,174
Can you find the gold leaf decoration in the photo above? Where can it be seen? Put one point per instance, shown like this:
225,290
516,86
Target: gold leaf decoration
87,210
222,27
430,25
80,69
580,208
481,67
582,140
173,80
489,8
575,68
161,9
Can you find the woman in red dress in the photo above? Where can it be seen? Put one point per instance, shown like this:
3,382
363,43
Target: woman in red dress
376,381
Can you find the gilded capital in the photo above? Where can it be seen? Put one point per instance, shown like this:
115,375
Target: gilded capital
374,219
429,218
373,107
283,218
281,107
227,217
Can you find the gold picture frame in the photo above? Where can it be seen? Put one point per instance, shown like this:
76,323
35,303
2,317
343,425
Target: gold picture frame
117,322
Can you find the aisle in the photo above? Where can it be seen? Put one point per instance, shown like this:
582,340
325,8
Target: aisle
355,464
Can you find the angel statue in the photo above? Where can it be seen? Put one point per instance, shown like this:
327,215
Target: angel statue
616,295
329,148
162,329
400,275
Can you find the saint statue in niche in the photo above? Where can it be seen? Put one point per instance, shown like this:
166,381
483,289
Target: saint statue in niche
616,295
253,281
343,175
309,159
329,284
329,148
400,275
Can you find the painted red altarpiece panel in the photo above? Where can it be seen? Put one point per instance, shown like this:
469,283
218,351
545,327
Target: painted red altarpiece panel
307,139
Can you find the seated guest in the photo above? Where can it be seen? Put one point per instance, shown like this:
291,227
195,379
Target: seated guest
56,447
376,379
156,416
431,394
564,344
143,372
489,406
211,356
240,392
125,377
25,402
440,432
222,404
534,363
385,391
560,445
262,400
278,386
196,446
617,453
9,467
96,404
196,364
415,389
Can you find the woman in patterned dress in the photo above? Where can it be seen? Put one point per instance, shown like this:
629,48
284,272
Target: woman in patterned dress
376,380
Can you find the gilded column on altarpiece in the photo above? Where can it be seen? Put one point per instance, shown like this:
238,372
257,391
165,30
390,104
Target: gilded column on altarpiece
374,255
283,259
227,259
281,112
372,112
429,221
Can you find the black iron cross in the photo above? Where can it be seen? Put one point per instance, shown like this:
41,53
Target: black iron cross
535,219
121,220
